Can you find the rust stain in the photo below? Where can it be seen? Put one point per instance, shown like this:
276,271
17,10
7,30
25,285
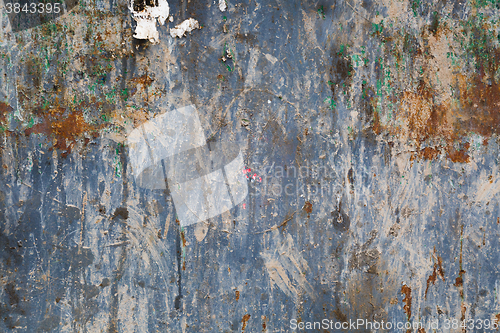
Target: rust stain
264,325
459,281
480,102
5,109
463,309
405,290
183,239
145,80
377,126
459,156
237,294
438,269
245,321
432,278
426,117
64,130
61,117
428,153
308,207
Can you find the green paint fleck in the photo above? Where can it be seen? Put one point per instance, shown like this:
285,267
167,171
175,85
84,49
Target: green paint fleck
321,12
331,102
31,123
125,94
377,28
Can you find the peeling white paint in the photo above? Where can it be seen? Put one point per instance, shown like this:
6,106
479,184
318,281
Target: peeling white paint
146,20
186,26
222,5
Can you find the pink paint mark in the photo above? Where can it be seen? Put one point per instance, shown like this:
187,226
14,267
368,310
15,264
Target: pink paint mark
254,176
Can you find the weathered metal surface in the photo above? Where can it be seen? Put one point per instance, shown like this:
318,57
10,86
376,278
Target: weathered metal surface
371,128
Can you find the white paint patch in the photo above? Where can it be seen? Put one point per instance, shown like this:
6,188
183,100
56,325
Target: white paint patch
487,188
253,76
222,5
146,20
272,59
186,26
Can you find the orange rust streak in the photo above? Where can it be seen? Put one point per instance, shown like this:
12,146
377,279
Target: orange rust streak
432,278
65,131
422,119
5,109
308,207
440,268
145,80
405,290
245,321
183,239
